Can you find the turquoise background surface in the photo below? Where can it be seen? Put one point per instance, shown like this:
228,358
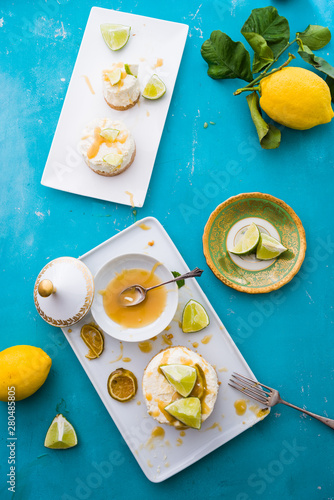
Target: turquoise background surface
289,345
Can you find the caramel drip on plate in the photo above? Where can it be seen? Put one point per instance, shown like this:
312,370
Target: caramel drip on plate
206,339
213,426
240,406
145,346
144,227
120,356
131,198
88,83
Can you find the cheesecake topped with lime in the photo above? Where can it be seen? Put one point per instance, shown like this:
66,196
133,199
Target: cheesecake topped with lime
180,388
121,88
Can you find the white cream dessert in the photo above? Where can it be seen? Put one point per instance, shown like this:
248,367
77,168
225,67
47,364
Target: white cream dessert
159,393
107,156
123,94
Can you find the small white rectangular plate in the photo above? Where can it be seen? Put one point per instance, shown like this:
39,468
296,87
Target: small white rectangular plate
164,458
150,40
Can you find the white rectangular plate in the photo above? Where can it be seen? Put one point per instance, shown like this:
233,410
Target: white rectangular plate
150,39
165,457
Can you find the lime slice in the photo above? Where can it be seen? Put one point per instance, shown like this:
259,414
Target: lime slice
115,35
109,134
269,248
114,76
61,434
194,317
131,69
155,88
249,241
113,159
122,385
187,411
181,377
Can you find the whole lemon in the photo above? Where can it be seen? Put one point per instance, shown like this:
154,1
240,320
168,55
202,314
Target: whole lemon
296,98
24,367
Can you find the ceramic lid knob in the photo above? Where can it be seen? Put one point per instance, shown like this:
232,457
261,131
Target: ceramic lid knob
64,291
45,288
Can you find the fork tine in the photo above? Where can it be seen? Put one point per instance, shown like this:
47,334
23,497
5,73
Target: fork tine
250,392
254,386
247,393
251,380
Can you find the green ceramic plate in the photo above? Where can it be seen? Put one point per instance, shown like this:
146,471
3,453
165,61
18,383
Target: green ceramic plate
228,223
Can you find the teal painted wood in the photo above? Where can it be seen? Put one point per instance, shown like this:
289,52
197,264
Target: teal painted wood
286,456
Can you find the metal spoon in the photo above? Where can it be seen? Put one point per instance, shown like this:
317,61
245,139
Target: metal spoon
135,294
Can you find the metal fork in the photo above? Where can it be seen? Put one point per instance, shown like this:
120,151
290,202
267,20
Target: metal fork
268,396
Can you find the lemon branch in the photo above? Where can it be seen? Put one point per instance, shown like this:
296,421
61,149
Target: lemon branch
265,73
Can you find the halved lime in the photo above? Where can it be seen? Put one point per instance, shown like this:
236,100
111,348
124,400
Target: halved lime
131,69
181,377
115,35
114,76
155,88
187,411
109,133
113,159
269,248
249,241
61,434
194,317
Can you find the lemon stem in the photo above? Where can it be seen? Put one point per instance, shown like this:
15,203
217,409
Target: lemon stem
265,72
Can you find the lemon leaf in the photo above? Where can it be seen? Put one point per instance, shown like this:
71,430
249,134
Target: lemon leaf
226,58
269,135
273,34
330,83
315,37
317,62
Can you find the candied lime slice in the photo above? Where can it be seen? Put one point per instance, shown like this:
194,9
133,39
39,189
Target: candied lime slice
181,377
194,317
61,434
110,134
155,88
93,339
115,35
269,248
131,69
114,76
122,385
187,411
248,242
113,159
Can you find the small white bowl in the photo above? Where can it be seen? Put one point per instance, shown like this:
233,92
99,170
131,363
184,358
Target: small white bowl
108,272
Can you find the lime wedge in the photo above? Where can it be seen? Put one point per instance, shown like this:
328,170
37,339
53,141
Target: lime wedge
131,69
115,35
194,317
109,133
155,88
187,411
269,248
114,76
113,159
181,377
248,243
61,434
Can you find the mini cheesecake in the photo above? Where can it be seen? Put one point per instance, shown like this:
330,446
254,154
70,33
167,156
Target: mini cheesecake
124,94
95,149
158,392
